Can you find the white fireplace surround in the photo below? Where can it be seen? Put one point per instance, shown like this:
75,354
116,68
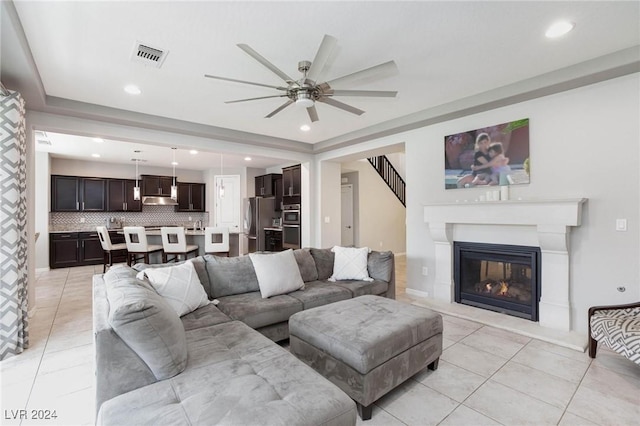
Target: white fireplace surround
510,222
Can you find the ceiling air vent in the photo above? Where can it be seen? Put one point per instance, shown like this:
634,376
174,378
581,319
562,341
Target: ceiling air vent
147,55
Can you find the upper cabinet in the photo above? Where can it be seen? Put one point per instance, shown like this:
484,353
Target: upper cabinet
266,185
73,194
191,197
291,181
120,196
156,185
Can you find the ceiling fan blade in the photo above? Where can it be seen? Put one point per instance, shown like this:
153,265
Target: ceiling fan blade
245,82
322,56
341,105
372,93
254,99
379,71
255,55
280,108
313,113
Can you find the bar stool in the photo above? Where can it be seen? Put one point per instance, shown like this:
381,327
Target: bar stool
174,242
216,240
109,248
136,240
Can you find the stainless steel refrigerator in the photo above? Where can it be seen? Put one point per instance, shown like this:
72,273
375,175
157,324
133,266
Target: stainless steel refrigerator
259,213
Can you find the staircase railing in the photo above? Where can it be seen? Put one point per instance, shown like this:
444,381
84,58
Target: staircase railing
391,177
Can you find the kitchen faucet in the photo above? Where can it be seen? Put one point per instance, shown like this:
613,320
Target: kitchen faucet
197,225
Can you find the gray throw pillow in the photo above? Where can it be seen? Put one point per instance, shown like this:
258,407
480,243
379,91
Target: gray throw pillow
306,264
324,262
380,265
231,275
148,325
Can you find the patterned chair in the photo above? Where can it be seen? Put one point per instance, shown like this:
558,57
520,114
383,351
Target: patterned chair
616,327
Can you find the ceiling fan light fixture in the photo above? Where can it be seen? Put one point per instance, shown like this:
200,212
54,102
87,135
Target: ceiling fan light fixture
304,100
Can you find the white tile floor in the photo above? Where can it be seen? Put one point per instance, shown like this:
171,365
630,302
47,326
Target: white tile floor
487,376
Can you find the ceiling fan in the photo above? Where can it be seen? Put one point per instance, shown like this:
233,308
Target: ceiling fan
309,89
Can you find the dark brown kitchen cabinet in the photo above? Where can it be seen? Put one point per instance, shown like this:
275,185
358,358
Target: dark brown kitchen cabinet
265,185
292,181
72,194
278,193
120,196
191,197
74,249
156,185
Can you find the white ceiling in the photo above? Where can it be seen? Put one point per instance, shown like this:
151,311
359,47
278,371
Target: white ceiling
445,51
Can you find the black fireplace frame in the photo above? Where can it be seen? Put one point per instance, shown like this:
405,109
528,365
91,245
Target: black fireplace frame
500,253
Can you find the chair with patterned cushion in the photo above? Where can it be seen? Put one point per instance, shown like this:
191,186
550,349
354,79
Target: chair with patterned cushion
108,247
174,242
137,245
616,327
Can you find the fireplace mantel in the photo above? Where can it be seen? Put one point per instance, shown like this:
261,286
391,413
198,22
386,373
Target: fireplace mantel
550,219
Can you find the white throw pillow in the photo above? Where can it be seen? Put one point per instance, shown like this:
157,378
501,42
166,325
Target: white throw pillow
350,263
277,273
179,285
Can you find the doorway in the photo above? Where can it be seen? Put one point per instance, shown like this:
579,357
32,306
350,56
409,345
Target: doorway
347,232
227,202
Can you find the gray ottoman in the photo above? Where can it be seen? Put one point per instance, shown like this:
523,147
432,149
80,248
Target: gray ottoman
367,345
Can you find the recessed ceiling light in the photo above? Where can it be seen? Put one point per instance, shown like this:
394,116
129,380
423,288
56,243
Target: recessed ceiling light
558,29
193,152
98,140
132,89
305,127
247,158
95,155
174,163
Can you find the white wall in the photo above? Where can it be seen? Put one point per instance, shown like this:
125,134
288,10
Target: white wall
62,166
380,216
584,143
330,202
42,203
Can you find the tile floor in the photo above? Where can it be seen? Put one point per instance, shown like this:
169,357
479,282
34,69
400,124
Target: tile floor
486,376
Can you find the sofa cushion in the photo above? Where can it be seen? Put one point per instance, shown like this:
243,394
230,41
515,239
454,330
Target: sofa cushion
198,263
324,262
380,265
277,273
318,293
180,287
147,324
257,312
231,275
306,264
350,263
204,317
361,288
236,377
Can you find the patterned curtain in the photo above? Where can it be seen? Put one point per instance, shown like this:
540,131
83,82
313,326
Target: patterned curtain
14,326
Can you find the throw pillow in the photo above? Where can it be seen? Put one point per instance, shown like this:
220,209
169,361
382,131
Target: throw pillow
180,287
230,275
198,263
147,324
277,273
350,263
306,264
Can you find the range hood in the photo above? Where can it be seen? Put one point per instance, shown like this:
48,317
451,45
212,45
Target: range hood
158,201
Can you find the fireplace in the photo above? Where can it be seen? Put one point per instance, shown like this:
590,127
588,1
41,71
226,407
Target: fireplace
499,277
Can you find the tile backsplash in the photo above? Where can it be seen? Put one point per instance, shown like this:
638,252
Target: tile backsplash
150,216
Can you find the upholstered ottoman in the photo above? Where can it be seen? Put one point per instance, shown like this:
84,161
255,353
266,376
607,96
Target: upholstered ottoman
367,345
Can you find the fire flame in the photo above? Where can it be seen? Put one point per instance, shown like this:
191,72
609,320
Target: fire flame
488,287
504,288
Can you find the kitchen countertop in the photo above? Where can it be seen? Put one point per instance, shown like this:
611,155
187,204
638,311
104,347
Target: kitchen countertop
273,229
149,232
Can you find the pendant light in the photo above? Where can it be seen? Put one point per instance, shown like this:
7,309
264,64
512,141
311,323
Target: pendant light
221,189
174,187
136,189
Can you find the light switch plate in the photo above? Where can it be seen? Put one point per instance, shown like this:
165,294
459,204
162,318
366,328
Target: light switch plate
621,224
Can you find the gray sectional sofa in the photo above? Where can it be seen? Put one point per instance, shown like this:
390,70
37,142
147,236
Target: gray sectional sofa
218,364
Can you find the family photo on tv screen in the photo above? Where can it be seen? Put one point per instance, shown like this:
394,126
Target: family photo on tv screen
490,156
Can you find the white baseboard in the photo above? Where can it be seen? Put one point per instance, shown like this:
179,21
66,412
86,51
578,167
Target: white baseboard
404,253
46,269
416,293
